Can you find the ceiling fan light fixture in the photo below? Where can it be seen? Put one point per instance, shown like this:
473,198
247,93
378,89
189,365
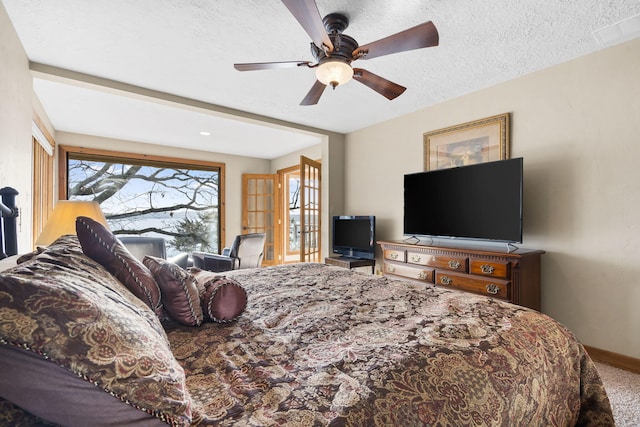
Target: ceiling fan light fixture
334,72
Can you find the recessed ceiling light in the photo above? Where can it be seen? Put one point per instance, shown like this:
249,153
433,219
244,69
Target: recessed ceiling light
203,133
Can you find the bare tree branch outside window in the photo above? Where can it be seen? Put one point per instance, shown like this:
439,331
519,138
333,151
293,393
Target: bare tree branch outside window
294,212
179,204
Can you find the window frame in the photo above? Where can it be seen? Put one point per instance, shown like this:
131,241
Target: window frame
101,155
285,179
43,150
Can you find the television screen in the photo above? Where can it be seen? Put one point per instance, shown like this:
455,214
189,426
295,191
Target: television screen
354,236
482,201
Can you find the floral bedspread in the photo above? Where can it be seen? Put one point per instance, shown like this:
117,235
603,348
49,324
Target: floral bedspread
320,345
67,309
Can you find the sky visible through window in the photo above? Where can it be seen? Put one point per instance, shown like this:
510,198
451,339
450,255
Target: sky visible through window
179,204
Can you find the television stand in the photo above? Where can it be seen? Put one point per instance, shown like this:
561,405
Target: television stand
348,262
508,275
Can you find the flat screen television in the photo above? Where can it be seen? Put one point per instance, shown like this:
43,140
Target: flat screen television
354,236
482,201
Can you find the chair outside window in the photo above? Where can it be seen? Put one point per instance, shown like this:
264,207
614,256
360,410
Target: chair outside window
139,246
246,252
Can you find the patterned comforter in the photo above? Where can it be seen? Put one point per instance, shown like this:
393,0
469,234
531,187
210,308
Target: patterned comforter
320,345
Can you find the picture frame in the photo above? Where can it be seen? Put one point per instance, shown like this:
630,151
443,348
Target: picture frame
479,141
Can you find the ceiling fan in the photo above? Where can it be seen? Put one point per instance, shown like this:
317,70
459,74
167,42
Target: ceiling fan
334,51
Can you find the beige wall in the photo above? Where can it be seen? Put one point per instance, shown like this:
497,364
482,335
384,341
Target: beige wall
577,126
293,159
15,124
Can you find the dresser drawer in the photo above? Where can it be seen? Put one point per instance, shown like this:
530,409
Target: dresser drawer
490,287
419,258
448,262
395,255
417,273
483,267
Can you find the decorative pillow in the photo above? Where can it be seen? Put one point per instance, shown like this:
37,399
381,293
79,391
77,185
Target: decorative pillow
180,295
222,299
68,310
102,246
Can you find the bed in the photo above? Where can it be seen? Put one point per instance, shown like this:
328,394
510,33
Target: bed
323,345
316,345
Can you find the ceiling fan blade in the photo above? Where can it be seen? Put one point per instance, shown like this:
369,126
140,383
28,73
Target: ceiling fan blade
270,65
384,87
423,35
314,94
307,14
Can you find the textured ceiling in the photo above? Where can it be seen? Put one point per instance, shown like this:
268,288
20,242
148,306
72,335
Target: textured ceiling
188,48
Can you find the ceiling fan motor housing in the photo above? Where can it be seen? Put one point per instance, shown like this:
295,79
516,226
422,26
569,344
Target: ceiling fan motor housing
343,45
335,23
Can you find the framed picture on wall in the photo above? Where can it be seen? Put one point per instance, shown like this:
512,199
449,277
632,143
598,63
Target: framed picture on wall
479,141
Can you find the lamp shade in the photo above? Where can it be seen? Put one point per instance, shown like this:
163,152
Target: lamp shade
334,73
63,219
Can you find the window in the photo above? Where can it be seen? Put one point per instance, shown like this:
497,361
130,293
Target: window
290,182
43,187
151,196
293,211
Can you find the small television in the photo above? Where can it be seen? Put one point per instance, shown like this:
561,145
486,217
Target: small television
481,201
354,236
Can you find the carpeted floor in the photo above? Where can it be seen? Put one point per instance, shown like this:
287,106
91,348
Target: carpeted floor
623,389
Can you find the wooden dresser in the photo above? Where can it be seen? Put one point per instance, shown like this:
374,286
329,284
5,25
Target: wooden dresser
513,277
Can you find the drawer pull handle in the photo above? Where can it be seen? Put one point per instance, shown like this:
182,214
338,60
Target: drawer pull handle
493,289
415,258
391,268
423,275
445,280
454,264
393,255
487,269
